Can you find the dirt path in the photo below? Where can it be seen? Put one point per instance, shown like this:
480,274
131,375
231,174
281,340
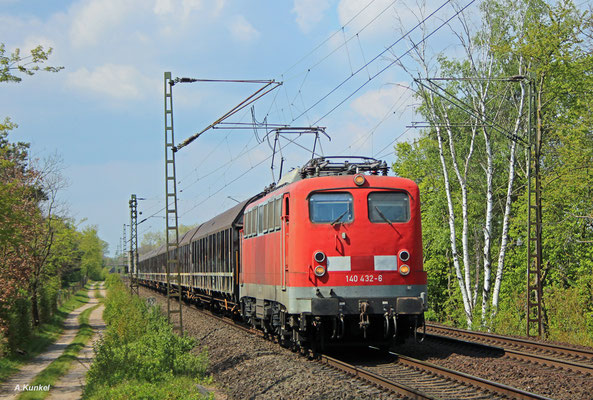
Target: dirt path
12,388
69,387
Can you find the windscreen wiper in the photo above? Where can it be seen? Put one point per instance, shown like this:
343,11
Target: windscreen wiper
384,217
339,218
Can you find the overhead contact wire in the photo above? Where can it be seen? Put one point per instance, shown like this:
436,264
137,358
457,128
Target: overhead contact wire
236,179
374,59
393,62
329,37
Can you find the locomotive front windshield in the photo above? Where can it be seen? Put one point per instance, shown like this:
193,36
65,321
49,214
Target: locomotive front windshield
389,207
331,208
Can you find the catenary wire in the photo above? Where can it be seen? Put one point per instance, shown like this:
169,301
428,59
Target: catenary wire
374,59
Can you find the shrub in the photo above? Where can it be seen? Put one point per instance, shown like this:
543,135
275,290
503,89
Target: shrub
510,319
48,299
139,350
567,316
19,328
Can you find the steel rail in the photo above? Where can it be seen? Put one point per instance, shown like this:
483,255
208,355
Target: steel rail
388,384
396,387
511,340
376,379
370,377
469,379
506,341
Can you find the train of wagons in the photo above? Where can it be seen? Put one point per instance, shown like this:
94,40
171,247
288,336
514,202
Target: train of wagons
330,255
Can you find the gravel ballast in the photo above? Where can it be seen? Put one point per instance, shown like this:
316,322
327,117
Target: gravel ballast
247,366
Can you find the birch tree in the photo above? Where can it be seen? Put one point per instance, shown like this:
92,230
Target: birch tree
476,118
474,211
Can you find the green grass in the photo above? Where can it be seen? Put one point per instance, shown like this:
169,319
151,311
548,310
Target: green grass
42,337
140,357
61,365
180,387
98,294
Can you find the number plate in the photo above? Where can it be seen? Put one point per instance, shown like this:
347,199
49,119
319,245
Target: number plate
364,278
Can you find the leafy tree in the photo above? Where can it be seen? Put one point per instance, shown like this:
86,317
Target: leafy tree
27,200
93,250
476,174
18,212
11,63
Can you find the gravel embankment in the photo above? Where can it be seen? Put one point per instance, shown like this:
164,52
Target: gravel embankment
249,367
539,379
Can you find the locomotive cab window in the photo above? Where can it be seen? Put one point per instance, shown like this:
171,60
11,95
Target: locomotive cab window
389,207
331,208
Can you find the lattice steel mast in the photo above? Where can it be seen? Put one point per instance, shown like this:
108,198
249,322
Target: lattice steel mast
133,272
125,249
534,220
174,313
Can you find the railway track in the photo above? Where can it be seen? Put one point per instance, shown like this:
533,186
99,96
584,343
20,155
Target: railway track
407,377
554,356
411,378
433,381
369,377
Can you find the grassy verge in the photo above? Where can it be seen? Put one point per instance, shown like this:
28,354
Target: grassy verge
139,356
42,337
173,388
61,365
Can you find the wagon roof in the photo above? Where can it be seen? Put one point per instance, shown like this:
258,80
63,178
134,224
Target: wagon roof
225,220
151,253
187,237
222,221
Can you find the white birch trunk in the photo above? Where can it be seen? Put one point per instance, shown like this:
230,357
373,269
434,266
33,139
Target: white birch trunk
487,225
452,234
462,179
507,211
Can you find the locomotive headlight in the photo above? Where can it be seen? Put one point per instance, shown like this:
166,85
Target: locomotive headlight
404,269
404,255
319,270
319,256
359,179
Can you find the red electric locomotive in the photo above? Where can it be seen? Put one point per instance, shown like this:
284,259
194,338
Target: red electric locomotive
330,255
334,255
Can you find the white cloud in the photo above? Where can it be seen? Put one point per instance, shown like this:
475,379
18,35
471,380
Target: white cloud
242,30
190,6
163,7
218,7
309,13
116,81
92,19
183,9
179,8
377,103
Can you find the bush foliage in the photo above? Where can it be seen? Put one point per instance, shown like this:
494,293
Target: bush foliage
139,354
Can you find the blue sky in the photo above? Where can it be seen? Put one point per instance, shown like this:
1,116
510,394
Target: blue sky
104,112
